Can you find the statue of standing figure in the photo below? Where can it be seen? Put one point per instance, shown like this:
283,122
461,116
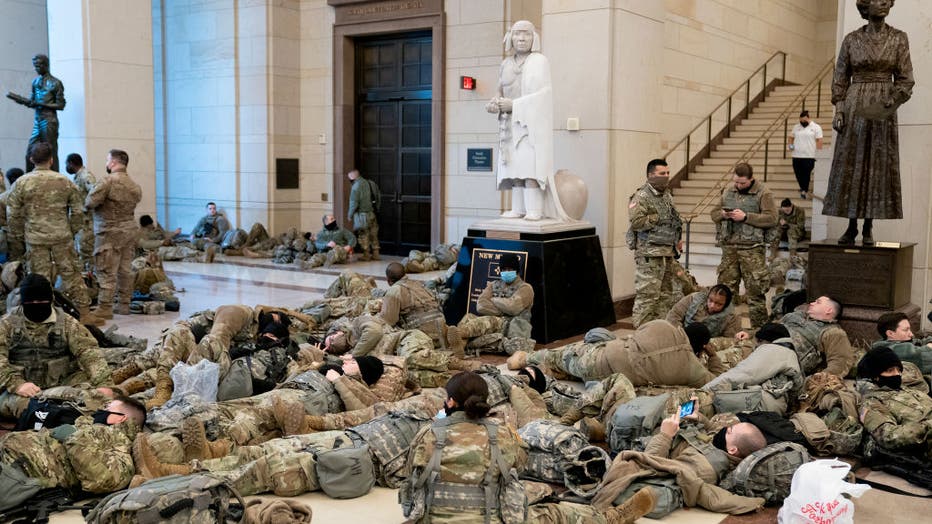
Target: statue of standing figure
873,77
47,98
524,106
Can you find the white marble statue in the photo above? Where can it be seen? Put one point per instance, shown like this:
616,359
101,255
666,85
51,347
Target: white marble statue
524,106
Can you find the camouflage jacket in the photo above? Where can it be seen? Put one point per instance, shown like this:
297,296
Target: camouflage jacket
151,237
795,222
212,228
47,345
44,208
114,201
655,222
340,236
761,212
896,418
364,335
506,300
693,308
101,455
820,345
85,181
406,298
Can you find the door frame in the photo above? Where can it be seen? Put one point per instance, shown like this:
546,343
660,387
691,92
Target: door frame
346,29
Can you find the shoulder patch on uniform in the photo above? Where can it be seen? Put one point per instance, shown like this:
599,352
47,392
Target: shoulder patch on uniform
633,203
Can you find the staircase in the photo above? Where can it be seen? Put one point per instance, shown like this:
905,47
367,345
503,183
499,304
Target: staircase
704,255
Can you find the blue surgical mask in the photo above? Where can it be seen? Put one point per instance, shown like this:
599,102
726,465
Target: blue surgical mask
441,414
509,276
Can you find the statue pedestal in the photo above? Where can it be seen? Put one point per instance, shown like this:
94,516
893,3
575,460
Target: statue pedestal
562,261
868,281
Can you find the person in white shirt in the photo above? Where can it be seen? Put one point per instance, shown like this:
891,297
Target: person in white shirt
805,139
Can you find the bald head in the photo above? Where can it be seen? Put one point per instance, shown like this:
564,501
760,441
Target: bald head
394,272
744,438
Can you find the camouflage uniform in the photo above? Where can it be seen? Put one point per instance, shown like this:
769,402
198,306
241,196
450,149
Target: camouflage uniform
793,226
114,201
407,304
350,284
428,402
362,213
918,351
743,245
93,457
820,345
209,231
441,257
504,308
340,236
898,419
151,238
463,464
693,308
45,211
15,249
656,228
54,352
84,240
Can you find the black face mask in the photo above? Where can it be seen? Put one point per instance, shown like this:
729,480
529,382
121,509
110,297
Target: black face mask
37,312
746,190
100,416
331,226
449,411
267,342
894,382
108,170
719,440
71,170
804,124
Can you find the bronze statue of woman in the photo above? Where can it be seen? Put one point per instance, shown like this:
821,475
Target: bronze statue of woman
873,77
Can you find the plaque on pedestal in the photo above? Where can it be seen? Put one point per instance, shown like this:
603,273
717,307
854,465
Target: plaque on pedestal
868,281
562,262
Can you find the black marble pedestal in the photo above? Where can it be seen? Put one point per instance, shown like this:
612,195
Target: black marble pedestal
571,291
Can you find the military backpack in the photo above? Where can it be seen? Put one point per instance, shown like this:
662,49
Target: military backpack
175,499
344,473
320,397
15,486
388,438
233,239
634,422
551,446
768,472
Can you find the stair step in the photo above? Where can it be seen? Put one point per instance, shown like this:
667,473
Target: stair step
776,185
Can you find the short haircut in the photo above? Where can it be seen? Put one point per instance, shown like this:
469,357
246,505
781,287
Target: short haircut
836,306
13,175
652,165
145,220
394,272
40,153
804,112
137,410
211,204
42,57
722,289
744,170
120,156
323,219
786,202
889,322
75,159
750,440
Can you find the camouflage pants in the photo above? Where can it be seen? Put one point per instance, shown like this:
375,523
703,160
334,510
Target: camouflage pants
178,253
202,244
428,403
334,256
472,326
653,287
428,366
576,360
565,513
281,466
41,456
350,284
420,262
113,260
215,346
368,238
257,234
750,266
84,244
55,261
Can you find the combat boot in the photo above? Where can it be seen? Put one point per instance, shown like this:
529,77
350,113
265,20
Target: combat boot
572,416
149,465
315,423
640,504
456,342
364,257
375,254
122,309
88,318
124,372
163,391
104,311
289,416
133,385
593,428
195,443
518,360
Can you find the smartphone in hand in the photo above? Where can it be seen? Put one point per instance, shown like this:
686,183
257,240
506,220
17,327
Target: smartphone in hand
688,408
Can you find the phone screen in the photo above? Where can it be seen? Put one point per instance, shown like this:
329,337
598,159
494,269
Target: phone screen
688,408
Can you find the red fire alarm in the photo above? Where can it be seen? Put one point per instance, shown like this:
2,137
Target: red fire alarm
468,83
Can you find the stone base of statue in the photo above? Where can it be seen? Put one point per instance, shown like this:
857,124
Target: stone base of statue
868,281
561,260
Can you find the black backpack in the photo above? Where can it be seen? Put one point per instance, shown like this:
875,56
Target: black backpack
46,414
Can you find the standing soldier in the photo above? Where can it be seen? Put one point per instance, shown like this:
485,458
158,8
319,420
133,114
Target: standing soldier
654,237
113,202
85,180
743,215
364,202
45,212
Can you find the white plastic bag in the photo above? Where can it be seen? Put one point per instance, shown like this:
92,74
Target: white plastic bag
815,495
200,379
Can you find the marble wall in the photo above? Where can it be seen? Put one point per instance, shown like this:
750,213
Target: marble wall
24,33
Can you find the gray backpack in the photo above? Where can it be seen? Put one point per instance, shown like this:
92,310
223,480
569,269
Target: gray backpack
345,473
768,472
15,486
666,490
237,383
321,398
560,398
389,437
634,422
176,499
551,446
234,238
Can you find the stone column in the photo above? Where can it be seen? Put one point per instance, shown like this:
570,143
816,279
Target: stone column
101,50
607,70
915,133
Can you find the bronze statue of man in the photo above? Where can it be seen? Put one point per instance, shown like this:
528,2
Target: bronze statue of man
48,97
873,77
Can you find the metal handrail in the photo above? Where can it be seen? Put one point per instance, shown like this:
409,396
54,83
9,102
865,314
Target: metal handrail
715,192
707,121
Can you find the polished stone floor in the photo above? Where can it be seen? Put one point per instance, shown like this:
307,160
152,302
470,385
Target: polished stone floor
251,282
